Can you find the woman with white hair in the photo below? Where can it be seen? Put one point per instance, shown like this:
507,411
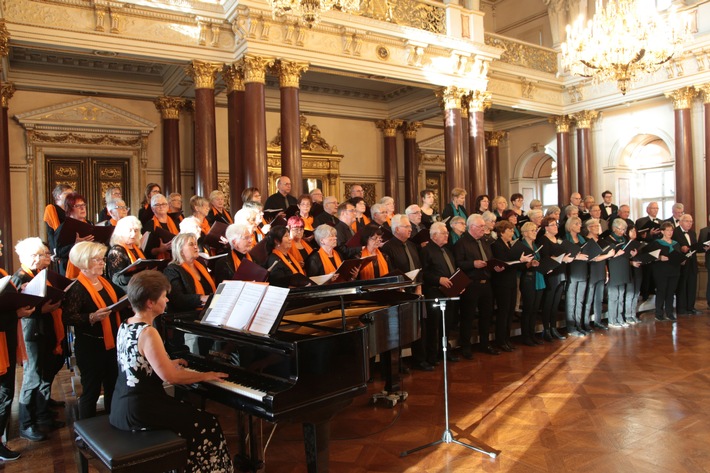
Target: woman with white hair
327,259
125,250
159,220
240,243
218,212
95,326
388,202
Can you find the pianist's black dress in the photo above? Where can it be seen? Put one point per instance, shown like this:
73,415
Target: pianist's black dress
140,403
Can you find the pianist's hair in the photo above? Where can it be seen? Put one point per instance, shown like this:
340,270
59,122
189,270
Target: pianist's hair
274,237
146,286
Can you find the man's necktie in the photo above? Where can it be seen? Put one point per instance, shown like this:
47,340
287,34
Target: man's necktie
448,261
483,253
409,257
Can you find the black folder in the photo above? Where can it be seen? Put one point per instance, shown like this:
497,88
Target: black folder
548,264
570,248
250,271
421,237
12,300
143,264
592,249
216,233
460,282
72,226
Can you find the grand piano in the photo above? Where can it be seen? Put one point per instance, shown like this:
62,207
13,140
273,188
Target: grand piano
314,363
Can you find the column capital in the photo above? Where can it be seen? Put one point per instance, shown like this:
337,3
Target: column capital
465,102
169,107
254,68
479,101
4,39
289,72
493,138
704,92
682,98
203,73
450,96
410,130
6,92
585,118
562,123
389,127
233,76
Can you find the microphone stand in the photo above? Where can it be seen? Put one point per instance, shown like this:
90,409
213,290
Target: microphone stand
446,437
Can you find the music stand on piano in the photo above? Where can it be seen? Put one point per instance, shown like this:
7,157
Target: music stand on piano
446,437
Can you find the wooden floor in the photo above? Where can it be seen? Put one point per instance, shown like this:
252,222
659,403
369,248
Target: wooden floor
627,400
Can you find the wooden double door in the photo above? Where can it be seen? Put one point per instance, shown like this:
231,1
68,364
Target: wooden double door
90,177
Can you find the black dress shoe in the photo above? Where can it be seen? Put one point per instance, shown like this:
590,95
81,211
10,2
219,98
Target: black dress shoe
491,350
600,326
466,353
547,336
450,357
51,426
529,342
557,334
53,403
661,318
423,366
504,347
671,317
536,340
693,311
510,345
33,434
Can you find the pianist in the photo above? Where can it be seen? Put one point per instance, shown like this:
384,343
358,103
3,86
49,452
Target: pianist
140,402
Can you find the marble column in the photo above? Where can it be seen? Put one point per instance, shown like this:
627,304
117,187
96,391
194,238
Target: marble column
564,170
169,108
289,74
7,90
684,181
585,159
204,73
453,139
411,163
233,77
389,131
705,91
255,158
493,139
479,101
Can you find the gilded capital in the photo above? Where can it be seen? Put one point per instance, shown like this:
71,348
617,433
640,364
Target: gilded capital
479,101
682,98
289,72
410,130
704,91
254,68
584,118
233,76
493,138
389,127
6,92
451,97
562,123
4,39
169,107
203,73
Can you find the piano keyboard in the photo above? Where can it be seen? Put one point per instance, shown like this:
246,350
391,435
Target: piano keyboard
234,387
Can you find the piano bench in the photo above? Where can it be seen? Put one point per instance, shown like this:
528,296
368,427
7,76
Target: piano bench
121,451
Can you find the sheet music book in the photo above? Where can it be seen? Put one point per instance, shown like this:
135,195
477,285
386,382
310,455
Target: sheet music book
120,304
72,226
592,249
142,264
217,231
248,306
646,258
497,263
460,282
549,264
422,236
153,239
320,280
41,286
250,271
14,300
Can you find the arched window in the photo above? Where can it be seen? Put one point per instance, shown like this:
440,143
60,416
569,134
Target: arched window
651,163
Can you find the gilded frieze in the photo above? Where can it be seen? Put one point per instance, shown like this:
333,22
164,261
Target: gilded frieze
523,54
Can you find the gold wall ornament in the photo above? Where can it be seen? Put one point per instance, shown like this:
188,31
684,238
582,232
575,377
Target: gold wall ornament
289,72
4,39
682,98
704,91
169,107
479,101
255,68
203,73
410,130
72,138
524,54
311,139
528,87
585,118
233,76
389,127
493,138
562,123
6,92
62,172
382,52
451,96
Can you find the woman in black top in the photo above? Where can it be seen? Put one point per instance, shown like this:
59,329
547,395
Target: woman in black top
74,207
666,271
532,283
429,214
577,272
597,276
482,204
554,280
455,208
283,271
125,250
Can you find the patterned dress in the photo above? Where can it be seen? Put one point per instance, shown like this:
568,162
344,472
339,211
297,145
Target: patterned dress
140,403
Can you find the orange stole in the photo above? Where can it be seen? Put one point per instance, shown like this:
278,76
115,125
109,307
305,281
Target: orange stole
365,222
237,261
172,228
295,270
205,226
296,255
109,341
50,217
203,272
368,271
130,252
215,212
327,265
308,224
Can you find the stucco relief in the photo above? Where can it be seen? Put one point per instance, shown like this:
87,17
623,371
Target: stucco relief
50,16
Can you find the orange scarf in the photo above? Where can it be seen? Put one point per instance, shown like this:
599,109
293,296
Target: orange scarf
216,212
113,222
365,222
236,259
296,255
327,264
50,217
295,270
368,271
308,223
205,226
132,251
109,341
203,271
169,221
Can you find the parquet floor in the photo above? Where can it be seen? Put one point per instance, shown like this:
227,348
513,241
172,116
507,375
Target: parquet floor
627,400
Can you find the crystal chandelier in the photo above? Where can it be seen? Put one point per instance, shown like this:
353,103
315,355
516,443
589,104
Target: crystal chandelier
309,11
624,40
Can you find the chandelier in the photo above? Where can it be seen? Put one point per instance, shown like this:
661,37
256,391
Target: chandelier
626,39
309,11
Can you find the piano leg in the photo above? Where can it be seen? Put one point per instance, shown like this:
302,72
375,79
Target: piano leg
316,436
249,458
390,366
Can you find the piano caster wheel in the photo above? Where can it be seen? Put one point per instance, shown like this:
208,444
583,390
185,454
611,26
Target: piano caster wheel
389,399
401,395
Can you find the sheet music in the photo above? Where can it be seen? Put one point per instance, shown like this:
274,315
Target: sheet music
249,300
413,273
223,303
269,310
655,253
320,280
38,285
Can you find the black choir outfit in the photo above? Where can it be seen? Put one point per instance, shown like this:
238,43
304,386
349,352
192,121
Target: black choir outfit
619,278
314,264
666,275
278,201
595,292
280,273
224,268
532,286
324,218
116,261
608,211
688,281
184,295
505,290
577,272
8,325
216,216
62,252
344,233
702,238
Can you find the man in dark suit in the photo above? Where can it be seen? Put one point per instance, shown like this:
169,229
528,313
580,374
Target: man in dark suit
650,220
317,202
688,282
328,215
678,211
438,265
472,253
282,198
608,209
344,232
404,256
703,237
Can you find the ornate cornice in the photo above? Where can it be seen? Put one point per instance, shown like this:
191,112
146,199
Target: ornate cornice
389,127
233,76
254,68
410,130
203,73
6,92
169,107
289,72
493,138
682,98
585,118
479,101
4,39
36,137
451,97
562,123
